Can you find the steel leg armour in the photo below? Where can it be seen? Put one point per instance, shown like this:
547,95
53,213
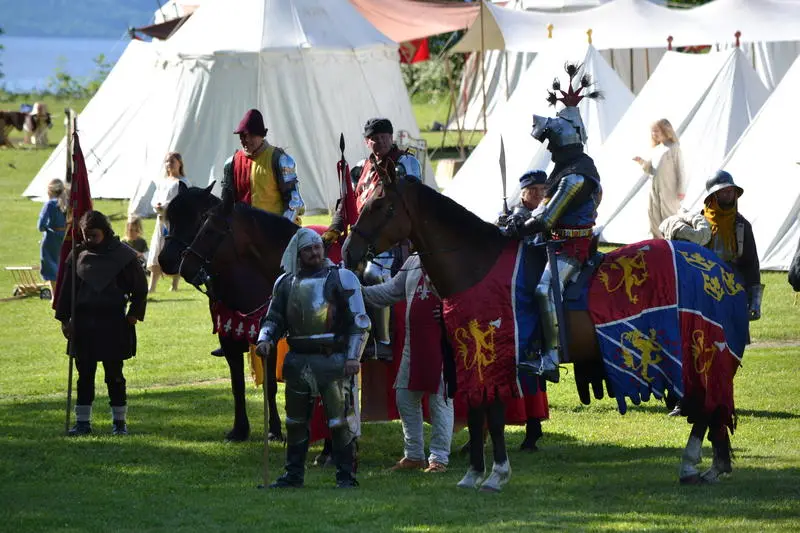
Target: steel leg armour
568,268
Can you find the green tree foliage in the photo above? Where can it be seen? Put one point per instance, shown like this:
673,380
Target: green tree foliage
64,85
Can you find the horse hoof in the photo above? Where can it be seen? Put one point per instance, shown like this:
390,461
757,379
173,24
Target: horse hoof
528,447
275,437
694,479
237,435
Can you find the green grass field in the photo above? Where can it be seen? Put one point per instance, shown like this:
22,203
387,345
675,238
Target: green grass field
596,471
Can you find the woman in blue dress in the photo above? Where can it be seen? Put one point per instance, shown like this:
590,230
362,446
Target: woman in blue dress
52,224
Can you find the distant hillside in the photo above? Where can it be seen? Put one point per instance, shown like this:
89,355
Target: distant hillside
74,18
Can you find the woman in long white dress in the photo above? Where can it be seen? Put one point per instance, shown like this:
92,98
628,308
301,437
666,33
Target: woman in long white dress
665,167
167,188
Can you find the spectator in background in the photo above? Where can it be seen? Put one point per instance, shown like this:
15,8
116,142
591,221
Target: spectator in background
36,125
52,224
665,167
134,239
167,188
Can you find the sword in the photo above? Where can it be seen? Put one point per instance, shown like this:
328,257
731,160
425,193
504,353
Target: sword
503,174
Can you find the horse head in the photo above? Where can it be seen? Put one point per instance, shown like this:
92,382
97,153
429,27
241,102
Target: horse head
185,214
456,247
794,271
384,221
210,243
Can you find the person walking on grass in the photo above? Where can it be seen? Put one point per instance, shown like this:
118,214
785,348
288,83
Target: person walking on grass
110,298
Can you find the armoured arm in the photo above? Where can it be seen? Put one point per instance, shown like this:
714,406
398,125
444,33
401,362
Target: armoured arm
228,196
273,325
408,167
288,185
358,324
568,189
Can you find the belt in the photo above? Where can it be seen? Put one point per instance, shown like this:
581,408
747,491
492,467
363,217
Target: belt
59,229
572,233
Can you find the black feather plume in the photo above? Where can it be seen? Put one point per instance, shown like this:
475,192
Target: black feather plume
595,95
572,69
556,84
586,80
552,99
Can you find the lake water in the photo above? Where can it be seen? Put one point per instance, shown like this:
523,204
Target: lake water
28,62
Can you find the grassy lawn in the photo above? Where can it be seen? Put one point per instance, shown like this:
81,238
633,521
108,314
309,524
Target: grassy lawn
597,470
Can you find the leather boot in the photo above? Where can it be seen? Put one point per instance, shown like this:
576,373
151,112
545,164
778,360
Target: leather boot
345,467
295,467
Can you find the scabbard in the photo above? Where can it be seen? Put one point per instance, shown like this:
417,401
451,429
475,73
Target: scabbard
558,299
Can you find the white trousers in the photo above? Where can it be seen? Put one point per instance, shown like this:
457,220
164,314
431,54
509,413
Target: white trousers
409,404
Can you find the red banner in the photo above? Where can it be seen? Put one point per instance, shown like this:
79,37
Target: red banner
414,51
80,201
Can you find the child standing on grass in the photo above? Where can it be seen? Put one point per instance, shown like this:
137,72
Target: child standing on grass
134,239
110,298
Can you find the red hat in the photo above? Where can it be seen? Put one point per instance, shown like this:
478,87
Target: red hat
252,123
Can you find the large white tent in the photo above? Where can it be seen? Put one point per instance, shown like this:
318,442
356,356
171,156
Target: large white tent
766,163
106,127
709,99
314,68
478,186
503,69
510,36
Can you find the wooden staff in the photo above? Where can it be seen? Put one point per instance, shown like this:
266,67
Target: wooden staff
71,340
266,421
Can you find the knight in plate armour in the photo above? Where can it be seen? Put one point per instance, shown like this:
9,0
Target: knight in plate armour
570,203
320,309
385,159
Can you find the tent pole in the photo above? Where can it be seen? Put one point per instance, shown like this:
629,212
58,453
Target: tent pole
454,106
632,74
647,63
483,69
505,53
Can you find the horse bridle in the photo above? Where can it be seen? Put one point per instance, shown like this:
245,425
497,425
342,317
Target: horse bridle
203,277
373,236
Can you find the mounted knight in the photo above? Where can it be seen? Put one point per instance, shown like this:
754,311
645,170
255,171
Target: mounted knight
570,205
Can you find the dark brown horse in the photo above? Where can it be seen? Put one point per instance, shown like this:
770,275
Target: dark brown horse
240,285
458,250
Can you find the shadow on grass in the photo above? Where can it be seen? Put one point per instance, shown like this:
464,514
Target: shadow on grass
173,472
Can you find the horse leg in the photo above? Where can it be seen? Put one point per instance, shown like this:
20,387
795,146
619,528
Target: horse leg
721,444
689,475
476,415
501,469
275,432
241,425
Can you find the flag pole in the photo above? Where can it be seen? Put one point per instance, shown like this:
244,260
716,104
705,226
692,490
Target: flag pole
73,207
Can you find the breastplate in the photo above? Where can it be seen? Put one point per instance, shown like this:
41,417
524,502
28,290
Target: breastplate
308,312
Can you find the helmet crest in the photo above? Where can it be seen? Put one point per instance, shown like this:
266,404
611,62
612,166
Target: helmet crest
572,96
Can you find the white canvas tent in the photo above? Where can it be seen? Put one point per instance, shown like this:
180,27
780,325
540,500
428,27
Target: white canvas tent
478,186
709,99
765,164
645,22
314,68
105,126
504,68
